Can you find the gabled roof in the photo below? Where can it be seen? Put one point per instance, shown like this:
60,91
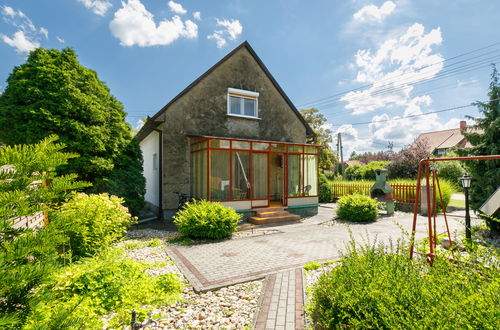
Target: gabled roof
153,122
444,139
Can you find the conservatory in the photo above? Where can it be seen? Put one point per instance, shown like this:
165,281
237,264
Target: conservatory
246,174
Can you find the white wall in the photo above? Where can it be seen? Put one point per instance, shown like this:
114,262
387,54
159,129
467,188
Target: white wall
151,167
296,201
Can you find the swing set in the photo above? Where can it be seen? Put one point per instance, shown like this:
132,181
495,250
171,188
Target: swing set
432,174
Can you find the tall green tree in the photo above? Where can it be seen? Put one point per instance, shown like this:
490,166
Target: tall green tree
485,140
53,94
323,137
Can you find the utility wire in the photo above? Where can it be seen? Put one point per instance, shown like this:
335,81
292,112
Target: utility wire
424,67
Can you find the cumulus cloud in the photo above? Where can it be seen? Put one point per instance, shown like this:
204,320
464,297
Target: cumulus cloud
98,7
392,69
20,42
231,29
372,13
134,25
27,37
61,40
197,15
176,8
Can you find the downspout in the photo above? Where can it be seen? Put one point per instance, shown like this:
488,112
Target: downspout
160,174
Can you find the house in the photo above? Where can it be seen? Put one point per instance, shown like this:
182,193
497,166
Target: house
440,142
231,136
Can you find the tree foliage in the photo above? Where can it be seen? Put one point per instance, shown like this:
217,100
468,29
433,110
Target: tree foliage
485,140
27,257
53,94
323,137
405,162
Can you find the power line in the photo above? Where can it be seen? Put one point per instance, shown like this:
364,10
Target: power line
427,66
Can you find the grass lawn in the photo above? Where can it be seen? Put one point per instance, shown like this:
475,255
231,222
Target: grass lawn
457,203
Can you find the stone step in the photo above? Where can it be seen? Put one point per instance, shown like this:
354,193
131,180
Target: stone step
271,214
269,209
260,220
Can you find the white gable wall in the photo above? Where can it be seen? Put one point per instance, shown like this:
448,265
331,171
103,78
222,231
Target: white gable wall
151,167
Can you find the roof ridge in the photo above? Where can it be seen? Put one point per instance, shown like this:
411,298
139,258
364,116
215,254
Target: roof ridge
146,128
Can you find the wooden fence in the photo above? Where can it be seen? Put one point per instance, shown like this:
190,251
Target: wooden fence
29,222
402,193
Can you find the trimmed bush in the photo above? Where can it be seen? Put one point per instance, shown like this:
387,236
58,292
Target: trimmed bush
325,189
357,208
77,296
376,288
92,222
203,219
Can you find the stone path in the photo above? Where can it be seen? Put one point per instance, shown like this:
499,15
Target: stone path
282,301
214,265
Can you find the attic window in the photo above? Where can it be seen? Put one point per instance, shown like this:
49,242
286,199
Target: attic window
242,103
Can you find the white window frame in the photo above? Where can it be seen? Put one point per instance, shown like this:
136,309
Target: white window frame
242,95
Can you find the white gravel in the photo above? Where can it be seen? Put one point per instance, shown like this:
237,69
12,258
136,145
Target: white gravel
231,307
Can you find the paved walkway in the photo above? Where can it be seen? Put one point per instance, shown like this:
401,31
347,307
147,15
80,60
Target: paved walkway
282,301
214,265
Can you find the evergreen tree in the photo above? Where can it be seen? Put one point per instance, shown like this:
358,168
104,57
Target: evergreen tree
323,137
53,94
485,140
27,257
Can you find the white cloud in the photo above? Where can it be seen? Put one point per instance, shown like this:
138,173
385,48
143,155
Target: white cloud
197,15
20,42
372,13
232,29
176,8
133,25
392,69
98,7
45,32
27,37
61,40
139,124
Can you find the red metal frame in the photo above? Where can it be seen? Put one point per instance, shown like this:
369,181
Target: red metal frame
432,237
270,149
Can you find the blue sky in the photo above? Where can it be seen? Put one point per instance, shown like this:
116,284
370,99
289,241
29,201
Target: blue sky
356,61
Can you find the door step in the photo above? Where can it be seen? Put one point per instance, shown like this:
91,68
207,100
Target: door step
272,215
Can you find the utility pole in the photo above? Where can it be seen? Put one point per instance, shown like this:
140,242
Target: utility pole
339,150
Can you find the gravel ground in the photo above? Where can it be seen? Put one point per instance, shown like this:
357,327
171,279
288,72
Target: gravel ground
232,307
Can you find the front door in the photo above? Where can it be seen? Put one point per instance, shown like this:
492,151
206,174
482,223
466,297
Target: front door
276,177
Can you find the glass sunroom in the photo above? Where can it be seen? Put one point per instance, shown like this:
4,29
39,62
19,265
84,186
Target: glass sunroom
246,174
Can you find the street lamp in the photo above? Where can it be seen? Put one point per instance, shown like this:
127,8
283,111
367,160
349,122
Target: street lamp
466,179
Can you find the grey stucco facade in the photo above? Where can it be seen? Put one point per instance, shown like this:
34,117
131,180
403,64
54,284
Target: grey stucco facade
202,111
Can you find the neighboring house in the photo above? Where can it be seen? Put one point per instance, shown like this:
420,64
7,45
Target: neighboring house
231,136
440,142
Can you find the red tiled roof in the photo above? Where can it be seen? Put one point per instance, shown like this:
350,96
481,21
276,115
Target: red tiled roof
445,139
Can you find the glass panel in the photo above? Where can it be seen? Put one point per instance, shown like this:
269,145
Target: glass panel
260,146
234,105
259,175
294,175
199,174
278,147
241,145
249,106
219,144
310,175
311,150
199,146
292,148
241,175
219,175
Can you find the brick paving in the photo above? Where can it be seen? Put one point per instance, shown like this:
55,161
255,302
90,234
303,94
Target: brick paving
214,265
282,300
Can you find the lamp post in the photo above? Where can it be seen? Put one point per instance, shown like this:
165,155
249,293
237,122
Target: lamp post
466,180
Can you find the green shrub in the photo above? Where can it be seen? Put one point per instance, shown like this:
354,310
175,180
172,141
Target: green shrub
357,208
364,171
313,265
203,219
353,172
92,222
108,283
451,171
325,189
378,288
447,189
